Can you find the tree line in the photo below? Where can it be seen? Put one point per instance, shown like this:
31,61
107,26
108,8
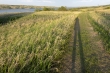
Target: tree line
62,8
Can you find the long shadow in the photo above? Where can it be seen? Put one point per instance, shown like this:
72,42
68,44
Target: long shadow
77,36
81,50
5,18
74,46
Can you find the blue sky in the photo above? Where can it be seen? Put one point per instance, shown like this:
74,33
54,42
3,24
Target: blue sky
68,3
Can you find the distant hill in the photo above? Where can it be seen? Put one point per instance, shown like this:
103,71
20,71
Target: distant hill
21,7
3,6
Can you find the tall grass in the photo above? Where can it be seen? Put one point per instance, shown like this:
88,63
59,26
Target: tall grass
33,43
102,27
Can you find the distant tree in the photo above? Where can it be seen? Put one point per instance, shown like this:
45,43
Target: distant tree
62,8
107,8
46,9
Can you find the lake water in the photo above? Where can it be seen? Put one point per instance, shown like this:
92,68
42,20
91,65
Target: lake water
5,11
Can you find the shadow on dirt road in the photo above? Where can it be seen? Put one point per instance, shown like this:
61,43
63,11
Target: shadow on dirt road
77,38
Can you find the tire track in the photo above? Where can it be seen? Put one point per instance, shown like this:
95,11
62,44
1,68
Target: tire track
78,65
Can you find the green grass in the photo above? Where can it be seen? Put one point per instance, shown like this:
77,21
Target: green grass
102,27
33,43
88,46
36,43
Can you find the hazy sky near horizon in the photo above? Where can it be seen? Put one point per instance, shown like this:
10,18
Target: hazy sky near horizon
69,3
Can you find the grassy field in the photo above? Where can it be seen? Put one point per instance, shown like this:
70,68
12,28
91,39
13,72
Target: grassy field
37,42
34,43
100,22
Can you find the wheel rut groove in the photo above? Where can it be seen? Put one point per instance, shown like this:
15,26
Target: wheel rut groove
85,57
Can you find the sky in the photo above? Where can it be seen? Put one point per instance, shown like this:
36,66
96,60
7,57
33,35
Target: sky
68,3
